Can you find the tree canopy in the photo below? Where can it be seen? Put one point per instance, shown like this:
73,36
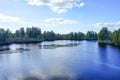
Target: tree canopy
34,34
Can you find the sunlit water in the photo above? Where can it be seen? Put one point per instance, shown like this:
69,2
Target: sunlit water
87,61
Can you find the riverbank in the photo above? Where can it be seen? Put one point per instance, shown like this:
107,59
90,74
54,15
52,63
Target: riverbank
109,42
20,41
32,40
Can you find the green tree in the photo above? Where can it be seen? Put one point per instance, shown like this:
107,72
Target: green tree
115,37
22,32
104,34
91,35
28,32
80,36
49,35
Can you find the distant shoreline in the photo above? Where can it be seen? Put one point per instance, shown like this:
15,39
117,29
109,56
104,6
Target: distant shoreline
100,43
37,41
34,35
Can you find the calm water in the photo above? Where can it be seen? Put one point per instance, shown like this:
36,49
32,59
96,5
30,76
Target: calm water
87,61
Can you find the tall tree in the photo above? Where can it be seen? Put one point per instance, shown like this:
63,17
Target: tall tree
91,35
22,32
104,34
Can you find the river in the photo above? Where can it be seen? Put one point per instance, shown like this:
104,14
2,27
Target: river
87,61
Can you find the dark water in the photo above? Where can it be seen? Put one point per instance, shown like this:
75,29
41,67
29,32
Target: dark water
87,61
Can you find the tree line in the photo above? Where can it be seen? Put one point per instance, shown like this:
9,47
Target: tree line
108,37
35,34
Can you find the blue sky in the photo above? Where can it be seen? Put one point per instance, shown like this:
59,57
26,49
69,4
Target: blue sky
61,16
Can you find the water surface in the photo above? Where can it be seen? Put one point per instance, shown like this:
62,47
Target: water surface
87,61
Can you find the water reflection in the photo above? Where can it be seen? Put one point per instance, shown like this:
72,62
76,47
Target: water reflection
103,51
87,61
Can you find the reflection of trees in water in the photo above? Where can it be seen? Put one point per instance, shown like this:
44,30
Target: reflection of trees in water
50,78
57,78
32,78
17,77
38,75
102,50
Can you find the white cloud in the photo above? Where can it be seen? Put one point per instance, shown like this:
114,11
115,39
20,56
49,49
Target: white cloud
6,18
81,4
60,21
110,25
58,6
113,24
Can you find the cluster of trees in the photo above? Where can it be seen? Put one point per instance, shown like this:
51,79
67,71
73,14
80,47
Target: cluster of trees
5,36
108,37
91,35
28,33
116,37
34,34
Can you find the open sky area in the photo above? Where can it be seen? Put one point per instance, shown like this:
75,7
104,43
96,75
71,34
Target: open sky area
61,16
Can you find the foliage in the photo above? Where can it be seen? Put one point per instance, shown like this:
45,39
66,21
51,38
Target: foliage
116,37
91,35
104,35
34,34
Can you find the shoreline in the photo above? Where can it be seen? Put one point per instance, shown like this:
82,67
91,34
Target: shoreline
101,43
39,41
36,41
109,43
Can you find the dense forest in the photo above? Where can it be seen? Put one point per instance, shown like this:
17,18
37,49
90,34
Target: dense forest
34,34
108,37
